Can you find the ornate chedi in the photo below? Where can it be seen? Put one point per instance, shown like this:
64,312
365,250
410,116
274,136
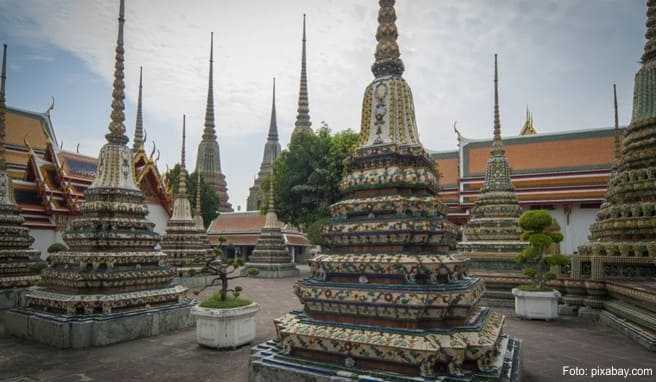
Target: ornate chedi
198,209
271,256
19,265
112,285
491,238
208,161
618,265
386,299
271,151
303,123
185,243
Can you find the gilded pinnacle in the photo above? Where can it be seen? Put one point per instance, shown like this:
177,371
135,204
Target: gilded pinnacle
116,126
388,56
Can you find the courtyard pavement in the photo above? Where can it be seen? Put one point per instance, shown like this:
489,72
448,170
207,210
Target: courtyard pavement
547,347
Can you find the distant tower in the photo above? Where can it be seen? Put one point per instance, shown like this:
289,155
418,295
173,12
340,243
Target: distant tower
528,128
271,151
208,162
138,141
303,123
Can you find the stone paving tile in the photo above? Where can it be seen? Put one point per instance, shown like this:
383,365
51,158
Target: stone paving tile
547,347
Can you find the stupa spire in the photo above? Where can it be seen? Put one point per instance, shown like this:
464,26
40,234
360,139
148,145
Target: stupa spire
3,101
209,133
138,141
617,145
388,56
197,210
182,178
303,122
117,124
273,125
497,145
650,45
271,215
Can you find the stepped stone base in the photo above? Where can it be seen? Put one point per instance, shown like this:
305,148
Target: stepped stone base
9,298
272,271
639,334
77,332
269,364
193,282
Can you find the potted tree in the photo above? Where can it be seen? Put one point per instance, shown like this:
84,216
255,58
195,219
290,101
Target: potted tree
224,319
536,300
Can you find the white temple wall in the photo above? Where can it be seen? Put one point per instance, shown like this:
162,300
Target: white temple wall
43,238
158,215
576,229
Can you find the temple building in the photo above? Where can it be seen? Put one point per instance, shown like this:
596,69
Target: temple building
50,182
208,161
491,237
237,233
271,257
386,300
303,123
112,276
617,268
564,172
19,264
186,244
271,152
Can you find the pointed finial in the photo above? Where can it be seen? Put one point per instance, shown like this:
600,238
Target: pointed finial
617,146
3,81
497,146
273,125
209,133
138,141
184,137
303,122
116,126
198,203
388,56
650,45
271,219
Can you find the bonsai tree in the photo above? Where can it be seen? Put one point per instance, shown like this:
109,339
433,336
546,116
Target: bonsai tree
223,272
538,230
57,247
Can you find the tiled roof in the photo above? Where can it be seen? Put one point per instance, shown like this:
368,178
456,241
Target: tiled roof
243,228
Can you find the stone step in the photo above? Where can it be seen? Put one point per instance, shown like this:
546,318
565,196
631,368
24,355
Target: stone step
633,313
644,337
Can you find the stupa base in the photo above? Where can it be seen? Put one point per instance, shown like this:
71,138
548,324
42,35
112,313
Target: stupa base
272,271
62,331
269,364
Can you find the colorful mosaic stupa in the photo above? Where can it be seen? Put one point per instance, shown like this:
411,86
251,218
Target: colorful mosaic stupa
208,160
271,256
19,265
112,285
387,300
185,243
271,152
491,238
615,273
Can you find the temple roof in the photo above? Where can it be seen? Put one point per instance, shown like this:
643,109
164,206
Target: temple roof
237,224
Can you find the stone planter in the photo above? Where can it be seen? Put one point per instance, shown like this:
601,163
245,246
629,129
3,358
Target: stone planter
536,305
225,328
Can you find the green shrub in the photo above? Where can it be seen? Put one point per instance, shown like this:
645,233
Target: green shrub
538,230
57,247
215,302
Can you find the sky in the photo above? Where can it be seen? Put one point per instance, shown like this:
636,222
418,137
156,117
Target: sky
558,57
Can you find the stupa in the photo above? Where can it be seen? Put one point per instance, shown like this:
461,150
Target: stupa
271,256
198,208
185,243
618,265
491,238
112,285
387,301
208,160
303,123
271,152
19,264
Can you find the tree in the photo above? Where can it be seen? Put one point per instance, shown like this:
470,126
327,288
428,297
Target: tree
307,176
208,197
537,227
